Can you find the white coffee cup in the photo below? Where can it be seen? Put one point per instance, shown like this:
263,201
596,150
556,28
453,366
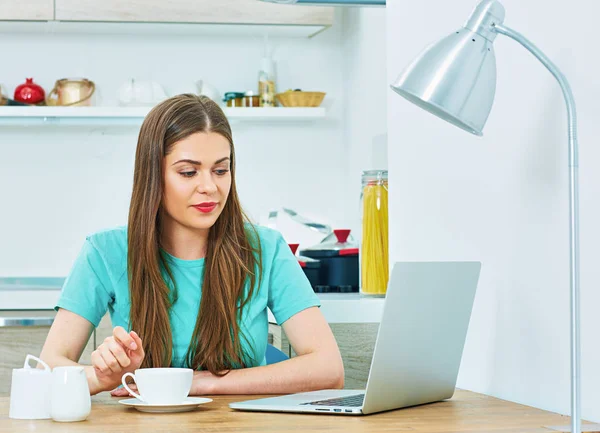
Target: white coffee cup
30,391
161,385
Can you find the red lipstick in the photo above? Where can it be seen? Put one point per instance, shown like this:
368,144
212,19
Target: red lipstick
206,207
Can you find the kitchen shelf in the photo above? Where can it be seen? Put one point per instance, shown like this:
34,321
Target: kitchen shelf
16,115
161,29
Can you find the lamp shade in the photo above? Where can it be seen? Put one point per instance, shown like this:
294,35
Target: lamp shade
455,79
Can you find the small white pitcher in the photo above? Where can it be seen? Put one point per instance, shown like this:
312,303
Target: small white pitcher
71,399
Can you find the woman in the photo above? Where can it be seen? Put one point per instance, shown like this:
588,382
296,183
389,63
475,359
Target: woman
189,277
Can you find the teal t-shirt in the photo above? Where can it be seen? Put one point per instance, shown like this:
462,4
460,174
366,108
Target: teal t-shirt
98,283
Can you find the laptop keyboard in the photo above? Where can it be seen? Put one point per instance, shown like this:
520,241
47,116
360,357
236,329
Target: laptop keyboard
350,401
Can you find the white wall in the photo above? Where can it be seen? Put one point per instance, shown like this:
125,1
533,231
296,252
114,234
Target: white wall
365,109
503,199
59,183
363,133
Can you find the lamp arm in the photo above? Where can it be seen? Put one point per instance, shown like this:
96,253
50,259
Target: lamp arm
574,218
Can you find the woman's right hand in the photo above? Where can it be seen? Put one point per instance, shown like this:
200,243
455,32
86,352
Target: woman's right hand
119,354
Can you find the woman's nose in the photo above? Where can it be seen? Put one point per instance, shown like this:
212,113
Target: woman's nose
206,185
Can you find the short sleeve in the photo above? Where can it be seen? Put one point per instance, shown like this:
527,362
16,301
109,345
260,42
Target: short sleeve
290,291
86,290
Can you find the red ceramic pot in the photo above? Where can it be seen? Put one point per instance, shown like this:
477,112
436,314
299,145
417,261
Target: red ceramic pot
29,92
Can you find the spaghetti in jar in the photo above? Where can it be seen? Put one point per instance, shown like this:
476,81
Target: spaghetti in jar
374,251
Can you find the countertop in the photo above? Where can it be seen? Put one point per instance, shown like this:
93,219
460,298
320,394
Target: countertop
41,293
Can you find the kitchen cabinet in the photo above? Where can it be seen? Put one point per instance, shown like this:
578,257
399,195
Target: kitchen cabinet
278,339
26,10
103,330
356,342
192,11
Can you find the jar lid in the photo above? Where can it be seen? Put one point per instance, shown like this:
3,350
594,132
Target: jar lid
232,95
374,174
249,93
339,246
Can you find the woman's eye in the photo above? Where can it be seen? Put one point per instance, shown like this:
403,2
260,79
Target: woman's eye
187,173
221,172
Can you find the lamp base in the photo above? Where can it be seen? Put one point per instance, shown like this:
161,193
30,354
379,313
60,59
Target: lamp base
585,428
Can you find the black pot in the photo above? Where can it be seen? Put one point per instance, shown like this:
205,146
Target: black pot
312,270
338,271
311,267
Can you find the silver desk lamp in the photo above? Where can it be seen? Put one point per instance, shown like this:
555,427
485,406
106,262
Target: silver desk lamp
455,79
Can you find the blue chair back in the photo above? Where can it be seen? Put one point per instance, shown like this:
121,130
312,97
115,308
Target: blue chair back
274,355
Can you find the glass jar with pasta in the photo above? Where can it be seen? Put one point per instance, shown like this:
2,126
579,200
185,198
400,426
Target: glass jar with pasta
374,255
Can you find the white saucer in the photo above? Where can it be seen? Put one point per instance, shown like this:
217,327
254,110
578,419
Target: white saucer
190,403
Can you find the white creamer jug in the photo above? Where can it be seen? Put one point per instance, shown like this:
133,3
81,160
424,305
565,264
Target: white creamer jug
30,391
71,399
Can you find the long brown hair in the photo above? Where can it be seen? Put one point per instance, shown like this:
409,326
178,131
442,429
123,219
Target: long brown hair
232,261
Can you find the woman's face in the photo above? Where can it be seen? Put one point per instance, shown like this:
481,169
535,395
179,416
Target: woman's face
197,180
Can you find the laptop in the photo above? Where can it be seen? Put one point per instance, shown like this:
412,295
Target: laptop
418,349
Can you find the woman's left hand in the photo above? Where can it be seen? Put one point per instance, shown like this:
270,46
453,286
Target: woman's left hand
122,392
204,383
